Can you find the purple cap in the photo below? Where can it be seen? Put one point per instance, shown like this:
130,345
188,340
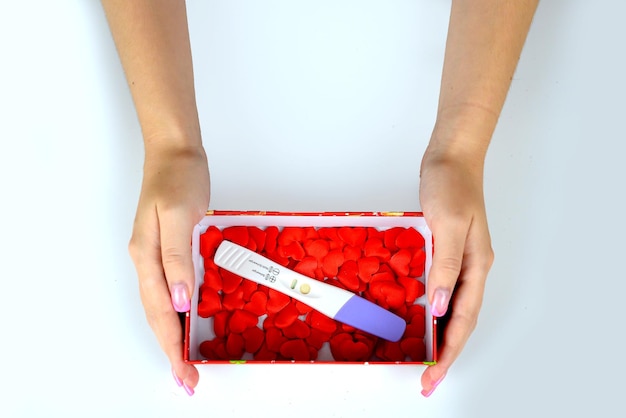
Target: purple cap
369,317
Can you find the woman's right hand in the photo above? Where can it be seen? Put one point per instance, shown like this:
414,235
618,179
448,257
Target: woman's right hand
174,197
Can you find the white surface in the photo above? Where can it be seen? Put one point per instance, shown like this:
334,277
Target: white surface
345,95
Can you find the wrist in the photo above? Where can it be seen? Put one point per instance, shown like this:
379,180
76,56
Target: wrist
461,135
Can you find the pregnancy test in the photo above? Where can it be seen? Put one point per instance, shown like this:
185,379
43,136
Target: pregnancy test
332,301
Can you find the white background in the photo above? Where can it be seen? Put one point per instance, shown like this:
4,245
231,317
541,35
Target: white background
311,106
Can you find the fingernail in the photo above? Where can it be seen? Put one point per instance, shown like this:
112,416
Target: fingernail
177,379
180,297
426,394
189,390
440,302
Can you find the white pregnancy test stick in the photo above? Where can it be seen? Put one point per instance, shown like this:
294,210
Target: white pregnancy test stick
332,301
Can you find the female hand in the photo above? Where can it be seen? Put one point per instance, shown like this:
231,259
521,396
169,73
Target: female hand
451,195
174,197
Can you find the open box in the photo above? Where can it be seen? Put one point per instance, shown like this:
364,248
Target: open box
209,339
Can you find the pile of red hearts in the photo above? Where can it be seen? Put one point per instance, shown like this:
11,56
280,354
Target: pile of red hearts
382,266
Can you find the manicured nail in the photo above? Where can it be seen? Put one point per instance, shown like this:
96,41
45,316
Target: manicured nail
189,390
426,394
180,297
177,379
440,302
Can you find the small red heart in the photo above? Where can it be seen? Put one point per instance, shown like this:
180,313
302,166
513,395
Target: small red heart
374,248
330,234
317,338
399,262
276,301
414,348
265,354
310,233
351,253
220,323
298,329
348,275
390,237
367,266
292,250
274,339
290,234
271,238
209,241
386,350
416,312
214,349
413,287
286,316
248,288
409,238
321,322
354,236
257,304
275,257
414,330
302,308
230,281
213,280
388,294
317,248
331,263
418,260
344,348
258,236
254,338
296,350
209,304
233,300
242,320
307,266
237,234
235,346
374,233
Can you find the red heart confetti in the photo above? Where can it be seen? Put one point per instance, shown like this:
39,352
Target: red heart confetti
210,303
286,316
257,304
383,266
235,346
296,350
399,262
409,238
237,234
220,323
209,241
254,338
242,320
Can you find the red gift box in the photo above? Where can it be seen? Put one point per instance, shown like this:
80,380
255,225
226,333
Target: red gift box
384,257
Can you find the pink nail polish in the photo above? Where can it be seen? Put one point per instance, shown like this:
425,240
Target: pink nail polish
426,394
180,297
177,379
440,302
189,390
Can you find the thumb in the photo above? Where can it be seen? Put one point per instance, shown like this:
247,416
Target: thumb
176,228
449,244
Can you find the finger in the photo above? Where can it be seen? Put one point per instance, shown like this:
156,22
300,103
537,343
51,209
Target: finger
176,226
466,305
449,244
160,314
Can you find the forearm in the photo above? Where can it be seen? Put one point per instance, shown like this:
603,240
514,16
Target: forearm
485,40
152,41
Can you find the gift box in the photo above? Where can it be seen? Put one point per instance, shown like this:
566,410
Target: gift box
380,258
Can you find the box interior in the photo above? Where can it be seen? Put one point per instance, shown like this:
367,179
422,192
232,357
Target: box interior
200,329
